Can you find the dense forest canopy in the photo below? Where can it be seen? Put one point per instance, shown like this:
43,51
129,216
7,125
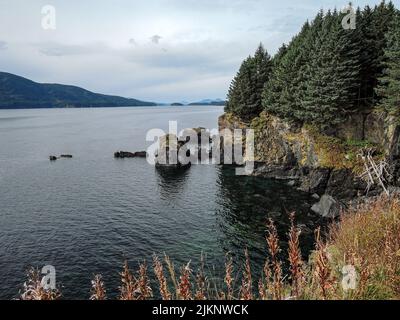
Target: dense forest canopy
326,72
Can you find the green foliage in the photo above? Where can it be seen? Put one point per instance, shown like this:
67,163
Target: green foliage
18,92
359,143
244,97
322,75
373,25
326,72
389,88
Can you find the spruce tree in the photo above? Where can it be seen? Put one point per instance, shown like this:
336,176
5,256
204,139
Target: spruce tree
244,96
281,93
389,88
328,72
373,25
240,86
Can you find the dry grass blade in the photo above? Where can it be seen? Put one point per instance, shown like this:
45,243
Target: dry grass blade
162,281
98,289
171,270
295,259
185,286
128,289
229,277
322,270
274,249
266,286
144,288
201,282
35,290
262,291
246,289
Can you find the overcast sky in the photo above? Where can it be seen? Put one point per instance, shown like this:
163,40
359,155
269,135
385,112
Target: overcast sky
155,50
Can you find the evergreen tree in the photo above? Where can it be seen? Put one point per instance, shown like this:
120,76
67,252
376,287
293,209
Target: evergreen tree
279,55
280,95
313,77
240,88
389,88
373,25
244,96
334,73
326,73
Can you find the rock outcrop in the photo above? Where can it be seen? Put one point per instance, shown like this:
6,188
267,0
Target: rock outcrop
65,156
126,154
326,164
168,154
327,207
174,152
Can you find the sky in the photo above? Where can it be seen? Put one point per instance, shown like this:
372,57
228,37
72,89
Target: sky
153,50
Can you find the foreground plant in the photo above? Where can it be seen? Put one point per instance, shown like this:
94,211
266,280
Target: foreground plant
366,239
162,281
34,289
295,259
98,289
246,290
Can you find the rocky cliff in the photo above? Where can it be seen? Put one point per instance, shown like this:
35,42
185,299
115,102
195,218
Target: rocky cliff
330,164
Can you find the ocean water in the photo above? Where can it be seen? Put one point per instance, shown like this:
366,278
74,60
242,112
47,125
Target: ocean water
86,215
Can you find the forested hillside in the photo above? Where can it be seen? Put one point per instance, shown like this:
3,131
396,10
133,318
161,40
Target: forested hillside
326,72
18,92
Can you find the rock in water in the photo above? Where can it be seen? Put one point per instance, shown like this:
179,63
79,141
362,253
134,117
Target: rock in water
53,158
126,154
168,153
141,154
327,207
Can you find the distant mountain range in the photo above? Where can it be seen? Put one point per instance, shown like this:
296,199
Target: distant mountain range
18,92
204,102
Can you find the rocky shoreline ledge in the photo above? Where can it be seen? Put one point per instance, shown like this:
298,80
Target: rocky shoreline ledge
332,166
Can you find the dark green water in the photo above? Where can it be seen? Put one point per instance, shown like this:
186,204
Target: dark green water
85,215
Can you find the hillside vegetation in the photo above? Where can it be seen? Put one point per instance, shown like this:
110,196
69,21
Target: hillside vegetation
18,92
326,73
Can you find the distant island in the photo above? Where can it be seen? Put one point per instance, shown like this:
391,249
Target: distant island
19,93
204,102
214,102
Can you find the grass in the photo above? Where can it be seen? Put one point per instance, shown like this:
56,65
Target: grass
366,238
369,238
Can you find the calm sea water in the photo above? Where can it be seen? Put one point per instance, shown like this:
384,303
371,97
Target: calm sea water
87,214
